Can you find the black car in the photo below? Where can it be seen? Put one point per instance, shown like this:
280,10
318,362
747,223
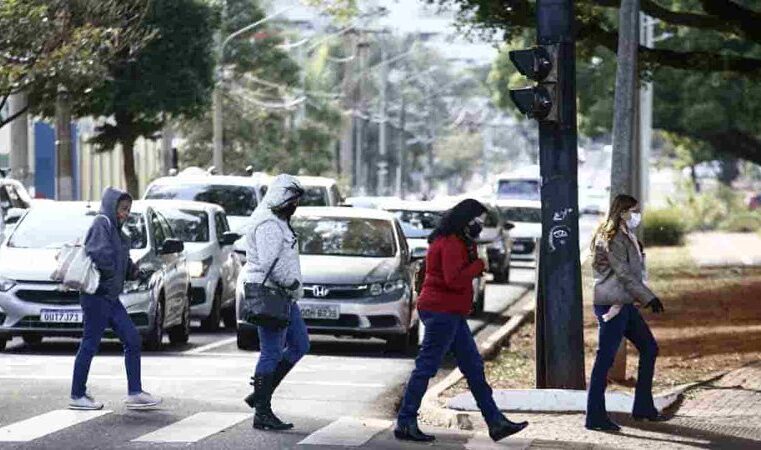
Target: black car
496,238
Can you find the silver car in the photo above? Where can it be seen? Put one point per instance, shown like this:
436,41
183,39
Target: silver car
33,306
212,265
357,271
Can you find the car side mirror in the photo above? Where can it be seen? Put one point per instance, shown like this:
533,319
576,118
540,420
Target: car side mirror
14,215
509,226
171,246
229,238
418,254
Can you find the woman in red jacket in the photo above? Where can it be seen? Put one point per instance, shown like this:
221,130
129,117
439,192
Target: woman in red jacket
445,302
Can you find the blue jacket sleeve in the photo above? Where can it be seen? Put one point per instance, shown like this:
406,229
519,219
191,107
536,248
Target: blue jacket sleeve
99,248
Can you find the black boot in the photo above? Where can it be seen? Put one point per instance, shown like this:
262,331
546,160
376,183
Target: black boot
504,428
281,371
411,432
265,419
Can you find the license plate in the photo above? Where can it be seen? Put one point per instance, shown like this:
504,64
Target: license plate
313,311
519,247
61,316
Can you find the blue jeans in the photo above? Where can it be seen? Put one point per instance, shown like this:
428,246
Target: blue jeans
443,332
290,343
101,312
630,324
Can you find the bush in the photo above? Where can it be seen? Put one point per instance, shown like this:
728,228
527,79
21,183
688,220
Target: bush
745,222
664,227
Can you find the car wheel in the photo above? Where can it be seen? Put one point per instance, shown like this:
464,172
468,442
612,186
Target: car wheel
248,339
211,323
32,339
155,336
229,319
180,334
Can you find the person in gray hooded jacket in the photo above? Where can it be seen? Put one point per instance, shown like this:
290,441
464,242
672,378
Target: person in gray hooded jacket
108,248
271,243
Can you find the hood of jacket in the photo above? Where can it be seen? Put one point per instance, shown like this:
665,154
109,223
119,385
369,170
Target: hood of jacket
282,189
110,201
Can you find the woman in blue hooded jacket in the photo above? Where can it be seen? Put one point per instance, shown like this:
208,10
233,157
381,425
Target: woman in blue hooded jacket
108,248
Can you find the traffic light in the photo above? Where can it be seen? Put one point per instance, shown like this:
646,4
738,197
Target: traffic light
540,102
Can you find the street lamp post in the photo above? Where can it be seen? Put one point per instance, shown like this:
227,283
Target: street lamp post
218,115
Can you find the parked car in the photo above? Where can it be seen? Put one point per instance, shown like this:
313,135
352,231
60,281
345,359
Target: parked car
521,184
526,215
319,191
238,196
357,274
418,219
34,306
369,201
212,264
498,240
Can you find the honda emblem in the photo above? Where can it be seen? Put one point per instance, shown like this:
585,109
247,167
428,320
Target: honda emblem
320,291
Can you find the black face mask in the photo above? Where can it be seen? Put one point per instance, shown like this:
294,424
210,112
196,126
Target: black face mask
287,211
474,230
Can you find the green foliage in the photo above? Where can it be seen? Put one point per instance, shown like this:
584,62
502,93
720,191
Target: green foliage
712,209
664,227
455,155
742,222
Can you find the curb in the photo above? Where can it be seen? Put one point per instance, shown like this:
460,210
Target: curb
431,411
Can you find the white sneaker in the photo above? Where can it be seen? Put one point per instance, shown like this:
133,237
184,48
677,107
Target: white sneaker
86,403
142,400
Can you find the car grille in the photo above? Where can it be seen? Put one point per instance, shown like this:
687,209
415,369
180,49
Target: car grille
344,321
383,321
48,297
338,292
197,296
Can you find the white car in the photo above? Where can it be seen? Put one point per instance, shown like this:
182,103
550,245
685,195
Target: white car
526,215
212,264
319,191
358,274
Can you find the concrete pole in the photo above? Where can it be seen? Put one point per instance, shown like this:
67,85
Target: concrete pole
217,158
625,159
401,168
382,138
167,136
646,115
19,151
65,180
346,152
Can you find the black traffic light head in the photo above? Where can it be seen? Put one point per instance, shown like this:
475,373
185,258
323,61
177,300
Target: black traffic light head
535,102
534,63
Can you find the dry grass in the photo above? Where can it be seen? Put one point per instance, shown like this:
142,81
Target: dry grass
712,324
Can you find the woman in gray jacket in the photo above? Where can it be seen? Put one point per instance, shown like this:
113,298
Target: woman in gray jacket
619,267
270,241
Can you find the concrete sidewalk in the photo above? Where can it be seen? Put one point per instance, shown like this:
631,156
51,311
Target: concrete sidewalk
724,414
725,249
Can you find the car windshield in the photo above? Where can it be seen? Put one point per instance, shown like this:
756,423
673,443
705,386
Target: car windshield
235,200
519,189
314,196
522,214
42,228
418,223
368,238
188,225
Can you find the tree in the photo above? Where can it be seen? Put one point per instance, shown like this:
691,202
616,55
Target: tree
456,154
706,102
172,76
50,43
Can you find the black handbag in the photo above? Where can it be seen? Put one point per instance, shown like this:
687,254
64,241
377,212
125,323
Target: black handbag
264,305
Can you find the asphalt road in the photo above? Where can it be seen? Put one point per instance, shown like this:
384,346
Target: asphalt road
344,393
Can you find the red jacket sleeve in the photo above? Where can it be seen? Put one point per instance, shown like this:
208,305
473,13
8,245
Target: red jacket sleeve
458,272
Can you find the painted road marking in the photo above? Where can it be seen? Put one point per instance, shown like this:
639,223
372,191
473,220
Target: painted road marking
347,432
194,428
44,424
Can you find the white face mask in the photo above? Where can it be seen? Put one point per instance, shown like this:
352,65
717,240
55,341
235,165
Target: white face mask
634,221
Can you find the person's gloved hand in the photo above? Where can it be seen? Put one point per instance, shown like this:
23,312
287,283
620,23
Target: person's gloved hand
655,305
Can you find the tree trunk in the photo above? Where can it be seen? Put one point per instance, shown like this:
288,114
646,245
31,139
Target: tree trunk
694,176
128,148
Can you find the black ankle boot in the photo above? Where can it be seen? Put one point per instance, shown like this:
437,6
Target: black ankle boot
504,428
411,432
281,371
265,419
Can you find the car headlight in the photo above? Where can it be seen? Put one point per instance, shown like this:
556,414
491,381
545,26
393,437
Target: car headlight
387,287
199,269
6,284
136,286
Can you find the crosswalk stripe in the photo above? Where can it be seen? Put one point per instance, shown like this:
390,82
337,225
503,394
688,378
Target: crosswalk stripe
347,431
479,442
194,428
44,424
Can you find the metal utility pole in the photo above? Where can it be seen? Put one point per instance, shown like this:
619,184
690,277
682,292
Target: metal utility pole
64,176
19,152
350,101
382,149
360,182
428,169
552,63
